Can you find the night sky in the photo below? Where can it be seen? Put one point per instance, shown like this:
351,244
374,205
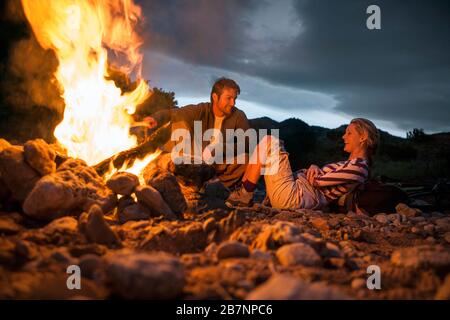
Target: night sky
314,60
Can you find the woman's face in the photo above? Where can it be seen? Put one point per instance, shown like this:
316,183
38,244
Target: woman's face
353,140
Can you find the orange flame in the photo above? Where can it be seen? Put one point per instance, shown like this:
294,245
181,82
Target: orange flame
97,115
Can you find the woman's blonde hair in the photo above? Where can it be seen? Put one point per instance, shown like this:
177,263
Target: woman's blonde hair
373,136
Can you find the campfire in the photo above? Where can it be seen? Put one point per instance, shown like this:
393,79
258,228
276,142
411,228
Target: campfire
83,34
95,159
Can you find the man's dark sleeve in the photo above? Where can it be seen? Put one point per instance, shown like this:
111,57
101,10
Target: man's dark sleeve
189,114
242,121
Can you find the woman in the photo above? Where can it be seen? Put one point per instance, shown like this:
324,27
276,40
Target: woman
312,188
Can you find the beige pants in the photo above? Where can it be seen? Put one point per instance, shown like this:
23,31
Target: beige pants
287,190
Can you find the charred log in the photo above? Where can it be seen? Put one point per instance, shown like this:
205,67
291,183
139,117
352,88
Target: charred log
150,145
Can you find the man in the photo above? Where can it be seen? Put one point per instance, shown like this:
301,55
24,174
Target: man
221,113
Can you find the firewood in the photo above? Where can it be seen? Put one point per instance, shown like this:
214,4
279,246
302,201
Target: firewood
150,145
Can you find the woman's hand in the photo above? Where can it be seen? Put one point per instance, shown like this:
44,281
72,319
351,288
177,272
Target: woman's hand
312,173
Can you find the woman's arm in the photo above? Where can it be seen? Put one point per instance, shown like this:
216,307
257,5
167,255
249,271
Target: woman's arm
352,171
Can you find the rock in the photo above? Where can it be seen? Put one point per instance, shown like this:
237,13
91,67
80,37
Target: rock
284,287
261,255
5,194
320,223
49,285
145,275
4,144
209,225
285,232
61,225
123,183
429,228
447,237
124,202
335,262
422,257
415,230
72,189
332,250
194,175
16,174
7,252
233,221
443,293
8,226
216,189
95,228
407,211
430,240
232,249
394,217
273,236
92,266
150,197
134,212
443,224
298,253
381,218
312,240
334,222
40,156
364,236
167,185
358,283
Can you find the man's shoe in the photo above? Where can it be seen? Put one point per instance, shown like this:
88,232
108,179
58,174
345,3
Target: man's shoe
239,198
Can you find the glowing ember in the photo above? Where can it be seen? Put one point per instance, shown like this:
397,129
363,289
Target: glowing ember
97,116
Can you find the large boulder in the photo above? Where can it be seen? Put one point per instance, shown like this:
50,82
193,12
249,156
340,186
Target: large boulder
152,199
298,254
136,275
72,189
96,229
422,257
40,156
167,185
123,183
285,287
16,174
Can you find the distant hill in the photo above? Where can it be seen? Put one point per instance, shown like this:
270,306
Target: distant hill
425,159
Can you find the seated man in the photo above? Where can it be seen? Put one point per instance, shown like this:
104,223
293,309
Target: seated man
220,114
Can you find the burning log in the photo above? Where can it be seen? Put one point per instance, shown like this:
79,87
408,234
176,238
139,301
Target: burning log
150,145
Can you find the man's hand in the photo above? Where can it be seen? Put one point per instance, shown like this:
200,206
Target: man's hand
147,122
312,173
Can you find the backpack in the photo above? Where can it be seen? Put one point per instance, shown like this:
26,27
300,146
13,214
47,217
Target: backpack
374,197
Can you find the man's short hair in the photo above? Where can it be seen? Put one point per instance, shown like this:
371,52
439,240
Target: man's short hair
222,83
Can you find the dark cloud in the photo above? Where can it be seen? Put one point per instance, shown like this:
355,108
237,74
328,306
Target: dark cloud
400,73
205,31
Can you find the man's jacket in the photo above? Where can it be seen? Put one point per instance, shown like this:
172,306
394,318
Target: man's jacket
184,118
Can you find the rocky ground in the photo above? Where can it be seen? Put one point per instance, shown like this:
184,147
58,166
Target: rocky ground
170,236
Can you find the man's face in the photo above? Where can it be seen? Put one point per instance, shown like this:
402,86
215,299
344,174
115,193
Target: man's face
223,105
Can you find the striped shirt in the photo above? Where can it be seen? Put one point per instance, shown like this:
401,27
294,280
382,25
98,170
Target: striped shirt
339,178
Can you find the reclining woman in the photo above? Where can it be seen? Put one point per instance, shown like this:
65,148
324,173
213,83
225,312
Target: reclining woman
312,188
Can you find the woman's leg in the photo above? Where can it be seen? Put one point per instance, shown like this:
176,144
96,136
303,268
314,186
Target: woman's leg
271,160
